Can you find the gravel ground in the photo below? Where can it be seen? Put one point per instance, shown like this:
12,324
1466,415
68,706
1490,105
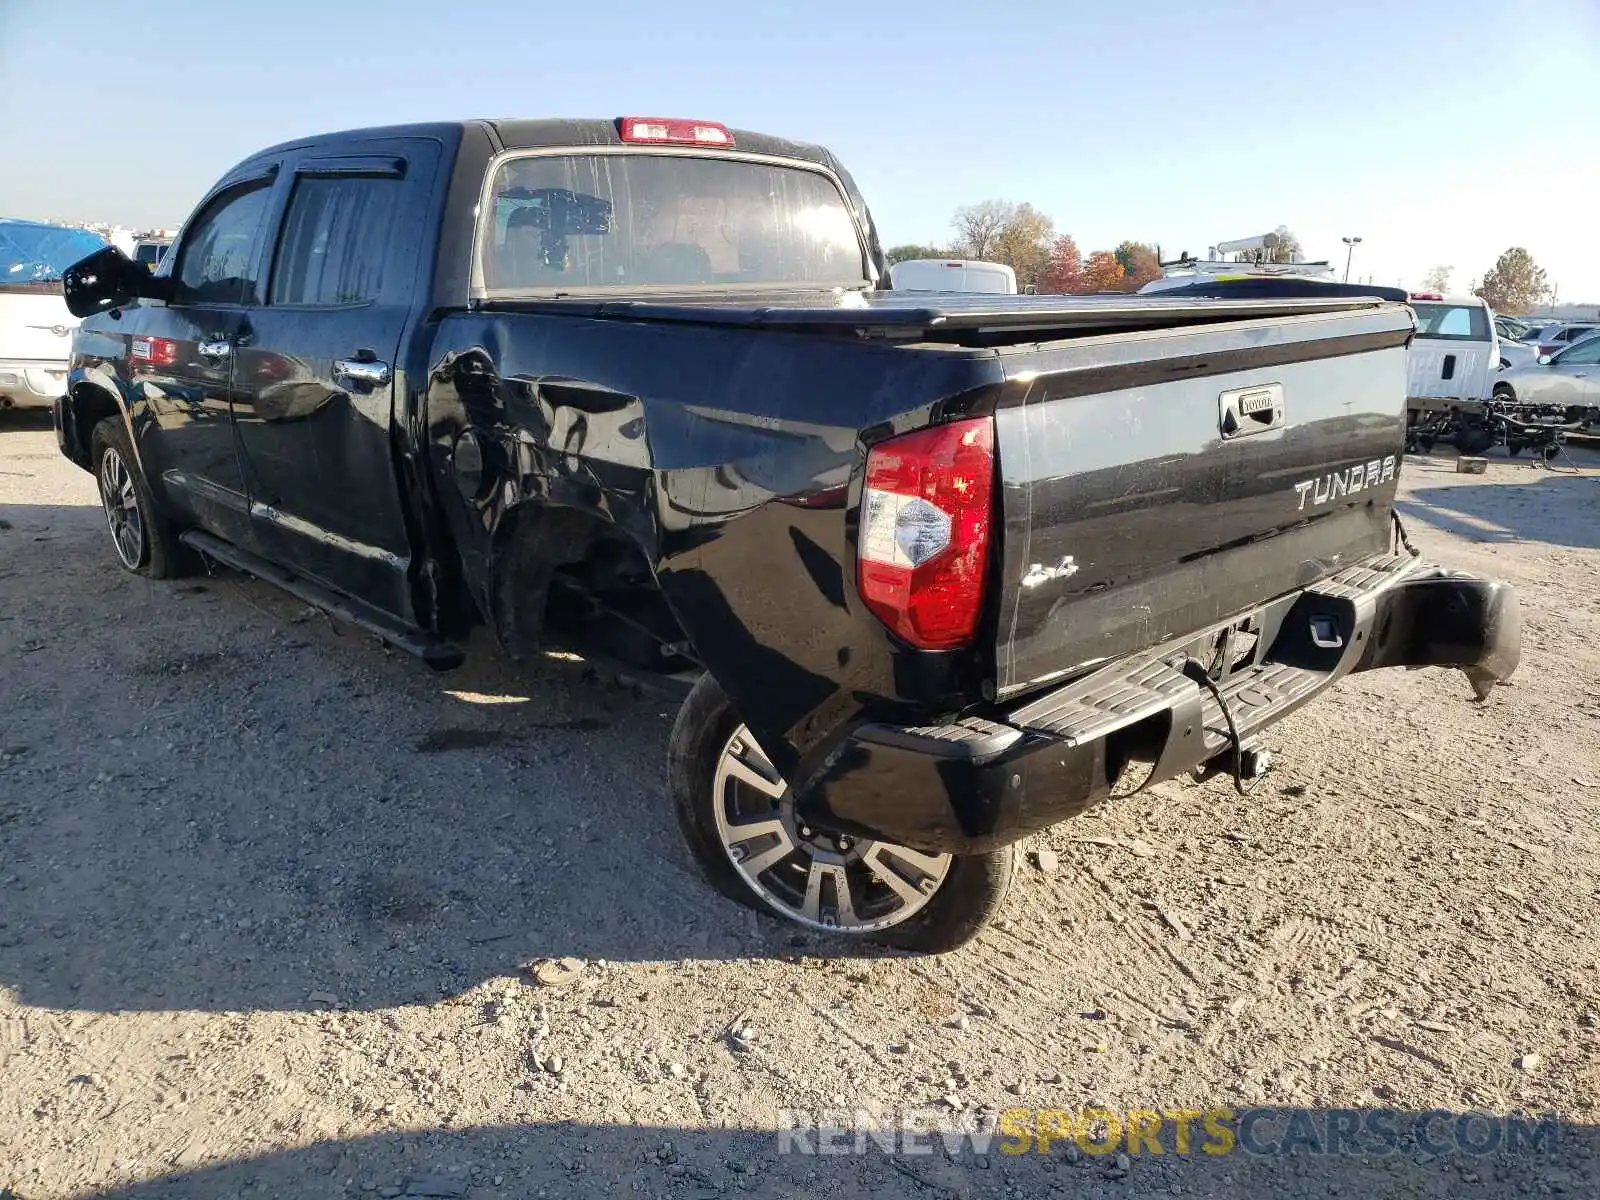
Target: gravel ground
269,893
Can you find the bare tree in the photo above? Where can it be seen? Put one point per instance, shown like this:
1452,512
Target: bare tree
1023,244
978,226
1437,280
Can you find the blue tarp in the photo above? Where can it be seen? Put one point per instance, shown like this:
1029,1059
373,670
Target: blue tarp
34,252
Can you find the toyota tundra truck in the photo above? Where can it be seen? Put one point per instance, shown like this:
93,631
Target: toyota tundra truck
930,574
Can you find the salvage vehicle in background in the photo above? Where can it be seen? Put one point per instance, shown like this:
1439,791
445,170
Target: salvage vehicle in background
1568,378
952,275
149,251
1558,335
930,573
35,323
1450,367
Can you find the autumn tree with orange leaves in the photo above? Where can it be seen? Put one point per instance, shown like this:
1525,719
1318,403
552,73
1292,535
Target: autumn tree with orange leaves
1102,272
1063,272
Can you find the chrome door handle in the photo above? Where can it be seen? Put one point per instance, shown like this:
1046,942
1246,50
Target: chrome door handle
213,349
1243,411
364,374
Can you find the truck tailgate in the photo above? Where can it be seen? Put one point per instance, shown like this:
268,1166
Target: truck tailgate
1448,370
1154,483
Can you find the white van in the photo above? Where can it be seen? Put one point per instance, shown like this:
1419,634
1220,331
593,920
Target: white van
1455,354
35,326
952,275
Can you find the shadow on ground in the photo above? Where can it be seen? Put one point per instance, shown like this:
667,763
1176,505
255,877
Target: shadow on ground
213,798
1246,1153
1557,509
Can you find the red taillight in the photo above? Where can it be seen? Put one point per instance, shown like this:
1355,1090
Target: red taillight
670,131
157,351
925,526
1550,349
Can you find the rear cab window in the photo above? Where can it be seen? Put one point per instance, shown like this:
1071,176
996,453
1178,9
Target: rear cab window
629,220
1451,322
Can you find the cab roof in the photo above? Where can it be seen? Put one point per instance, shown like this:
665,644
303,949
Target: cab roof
539,133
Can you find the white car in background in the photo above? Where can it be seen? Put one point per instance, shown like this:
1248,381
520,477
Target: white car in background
35,326
1569,378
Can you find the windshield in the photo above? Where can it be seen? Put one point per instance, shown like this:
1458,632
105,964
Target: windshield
562,222
1451,322
34,252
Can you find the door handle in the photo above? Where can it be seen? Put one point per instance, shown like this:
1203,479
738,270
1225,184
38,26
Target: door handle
361,374
217,349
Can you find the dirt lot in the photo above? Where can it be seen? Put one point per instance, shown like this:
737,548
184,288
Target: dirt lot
266,890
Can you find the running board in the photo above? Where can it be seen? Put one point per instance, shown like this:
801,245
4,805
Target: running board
438,654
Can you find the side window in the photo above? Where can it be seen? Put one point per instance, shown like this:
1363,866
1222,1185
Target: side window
336,239
1586,353
217,264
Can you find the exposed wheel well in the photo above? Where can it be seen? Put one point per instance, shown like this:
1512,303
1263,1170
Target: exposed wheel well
90,406
562,578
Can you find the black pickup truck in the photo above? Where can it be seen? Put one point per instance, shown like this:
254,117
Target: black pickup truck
931,573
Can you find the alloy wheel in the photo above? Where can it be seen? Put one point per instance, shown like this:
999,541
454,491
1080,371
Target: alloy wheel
121,502
817,879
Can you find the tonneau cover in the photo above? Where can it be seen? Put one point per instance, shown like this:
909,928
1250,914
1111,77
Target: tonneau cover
902,314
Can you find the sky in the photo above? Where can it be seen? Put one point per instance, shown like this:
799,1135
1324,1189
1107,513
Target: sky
1440,132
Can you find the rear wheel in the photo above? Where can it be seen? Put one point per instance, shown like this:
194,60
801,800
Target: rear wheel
738,817
144,540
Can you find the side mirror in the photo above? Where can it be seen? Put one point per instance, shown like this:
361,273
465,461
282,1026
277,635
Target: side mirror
1543,360
107,279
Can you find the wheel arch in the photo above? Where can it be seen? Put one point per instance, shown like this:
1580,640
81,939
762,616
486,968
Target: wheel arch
89,403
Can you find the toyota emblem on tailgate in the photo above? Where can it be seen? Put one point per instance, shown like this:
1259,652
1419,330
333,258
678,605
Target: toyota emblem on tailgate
1243,411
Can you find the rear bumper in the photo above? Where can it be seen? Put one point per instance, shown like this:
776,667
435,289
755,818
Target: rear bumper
32,383
983,782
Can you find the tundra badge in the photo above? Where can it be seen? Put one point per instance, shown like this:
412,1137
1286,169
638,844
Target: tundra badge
1347,482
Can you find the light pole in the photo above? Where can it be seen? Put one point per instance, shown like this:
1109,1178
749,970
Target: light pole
1350,248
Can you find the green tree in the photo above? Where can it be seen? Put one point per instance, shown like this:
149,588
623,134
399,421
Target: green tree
1515,284
1139,264
896,254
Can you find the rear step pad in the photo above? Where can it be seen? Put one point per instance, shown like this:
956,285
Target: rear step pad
438,654
1126,693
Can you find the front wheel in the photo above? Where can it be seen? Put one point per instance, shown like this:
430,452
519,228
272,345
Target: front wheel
738,817
144,540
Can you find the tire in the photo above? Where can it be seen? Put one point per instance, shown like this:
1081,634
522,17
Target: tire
1504,393
711,759
144,540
